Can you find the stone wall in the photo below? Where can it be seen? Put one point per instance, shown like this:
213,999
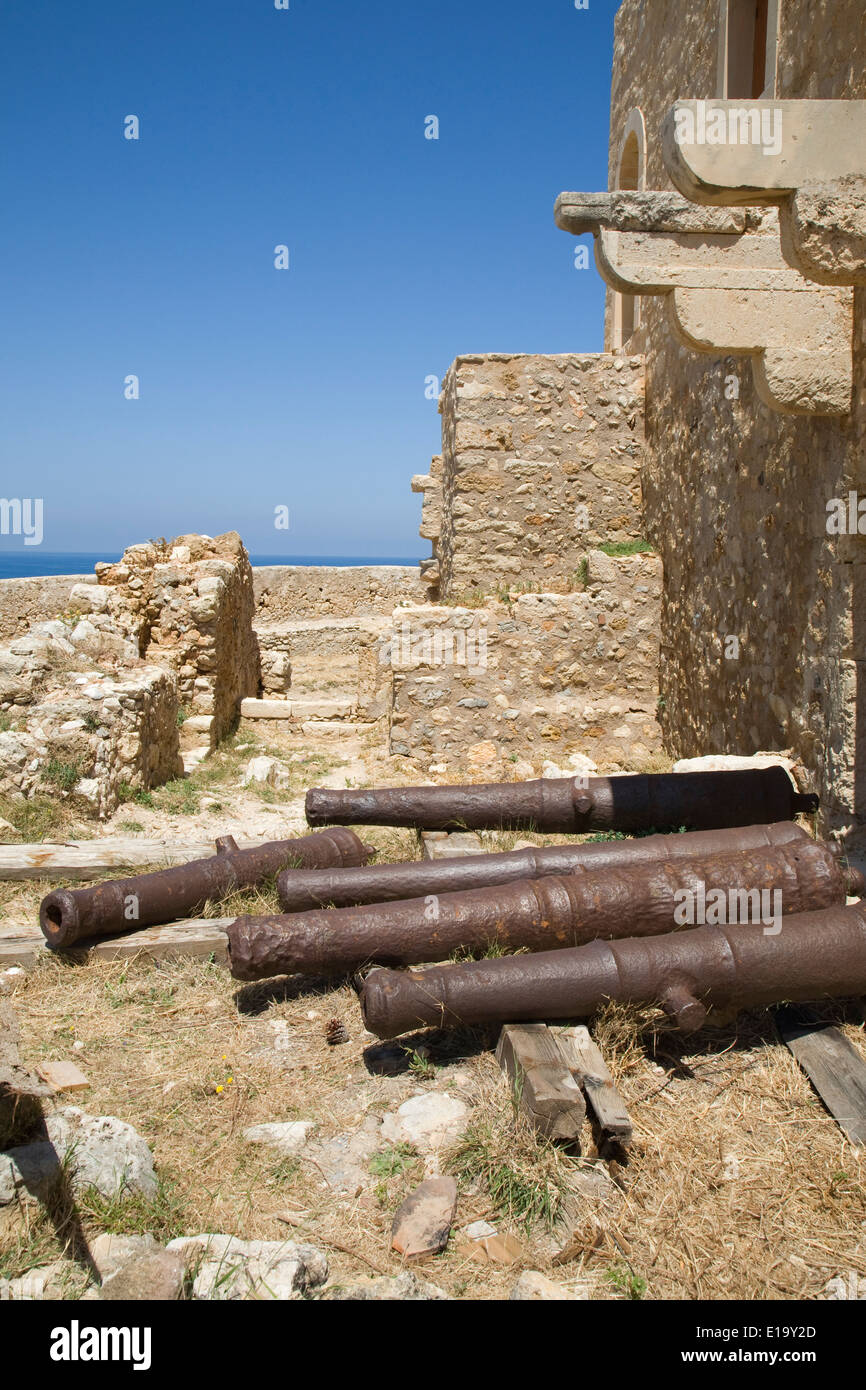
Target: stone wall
83,718
736,494
188,604
540,462
539,677
35,599
285,593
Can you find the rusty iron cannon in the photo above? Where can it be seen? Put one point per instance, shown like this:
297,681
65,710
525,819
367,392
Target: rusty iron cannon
299,889
145,900
573,805
816,955
543,914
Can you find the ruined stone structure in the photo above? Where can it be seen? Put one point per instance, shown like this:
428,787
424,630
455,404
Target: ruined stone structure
152,660
540,463
761,641
537,644
533,676
188,606
83,717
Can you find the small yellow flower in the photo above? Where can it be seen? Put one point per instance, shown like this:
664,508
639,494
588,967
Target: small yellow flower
219,1090
229,1080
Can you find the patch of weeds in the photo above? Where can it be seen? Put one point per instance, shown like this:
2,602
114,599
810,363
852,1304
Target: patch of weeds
580,578
61,775
180,797
182,716
40,817
133,826
91,723
133,1213
525,1177
141,798
627,1282
619,548
420,1065
388,1163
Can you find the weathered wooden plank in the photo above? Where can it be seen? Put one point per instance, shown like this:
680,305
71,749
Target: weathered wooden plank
88,859
194,936
586,1064
548,1094
834,1067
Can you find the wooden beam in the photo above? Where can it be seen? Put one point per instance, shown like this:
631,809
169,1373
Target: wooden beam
547,1093
588,1068
90,859
194,936
835,1068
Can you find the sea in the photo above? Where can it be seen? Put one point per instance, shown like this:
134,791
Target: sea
20,564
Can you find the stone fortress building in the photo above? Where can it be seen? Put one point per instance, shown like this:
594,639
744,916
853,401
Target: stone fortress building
650,549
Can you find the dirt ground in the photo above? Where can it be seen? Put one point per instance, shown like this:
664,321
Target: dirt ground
738,1183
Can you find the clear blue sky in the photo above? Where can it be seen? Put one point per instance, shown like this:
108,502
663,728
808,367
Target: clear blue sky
155,257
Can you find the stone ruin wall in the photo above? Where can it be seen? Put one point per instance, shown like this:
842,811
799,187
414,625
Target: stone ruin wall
188,606
736,494
540,463
540,467
500,689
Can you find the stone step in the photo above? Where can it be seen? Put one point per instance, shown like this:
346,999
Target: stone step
297,709
342,728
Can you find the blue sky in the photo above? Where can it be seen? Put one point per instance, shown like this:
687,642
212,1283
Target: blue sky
262,388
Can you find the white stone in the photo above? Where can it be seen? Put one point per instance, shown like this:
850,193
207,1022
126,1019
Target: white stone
97,1151
730,762
263,1270
267,772
286,1138
430,1121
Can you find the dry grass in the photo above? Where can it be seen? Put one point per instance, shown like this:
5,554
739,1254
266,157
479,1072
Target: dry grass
191,1059
738,1184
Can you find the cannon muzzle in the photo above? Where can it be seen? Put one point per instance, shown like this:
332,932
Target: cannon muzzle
145,900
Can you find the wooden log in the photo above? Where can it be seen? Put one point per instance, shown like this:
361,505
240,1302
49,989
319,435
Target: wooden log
194,936
834,1067
92,859
588,1068
546,1091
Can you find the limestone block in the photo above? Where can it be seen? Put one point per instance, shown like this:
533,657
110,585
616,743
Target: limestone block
809,157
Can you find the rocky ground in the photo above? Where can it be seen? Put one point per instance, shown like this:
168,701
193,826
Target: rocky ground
236,1141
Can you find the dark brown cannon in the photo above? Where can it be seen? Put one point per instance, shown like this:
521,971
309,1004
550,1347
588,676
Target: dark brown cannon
300,890
573,805
544,914
816,955
125,904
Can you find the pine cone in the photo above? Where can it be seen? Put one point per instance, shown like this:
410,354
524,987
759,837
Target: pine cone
336,1032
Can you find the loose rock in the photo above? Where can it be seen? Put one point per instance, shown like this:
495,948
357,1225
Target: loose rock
230,1269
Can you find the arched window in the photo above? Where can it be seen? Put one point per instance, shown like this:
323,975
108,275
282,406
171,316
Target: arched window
631,173
747,48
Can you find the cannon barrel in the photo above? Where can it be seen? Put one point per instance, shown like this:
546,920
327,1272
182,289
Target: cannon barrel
300,890
540,915
573,805
125,904
816,955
